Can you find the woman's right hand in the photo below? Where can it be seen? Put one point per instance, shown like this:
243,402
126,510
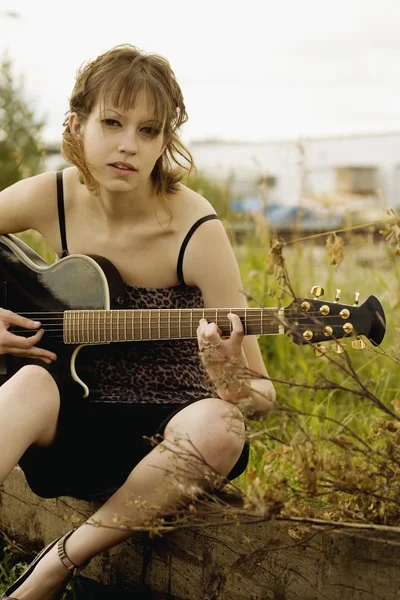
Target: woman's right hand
19,345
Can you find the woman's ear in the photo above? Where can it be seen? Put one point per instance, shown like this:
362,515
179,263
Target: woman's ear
75,126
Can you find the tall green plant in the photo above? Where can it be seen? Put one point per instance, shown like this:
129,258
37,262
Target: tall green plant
21,151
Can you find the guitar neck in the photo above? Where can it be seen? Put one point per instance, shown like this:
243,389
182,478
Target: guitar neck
98,326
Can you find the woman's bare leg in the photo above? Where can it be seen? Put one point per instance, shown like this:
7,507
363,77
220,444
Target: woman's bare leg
29,407
213,427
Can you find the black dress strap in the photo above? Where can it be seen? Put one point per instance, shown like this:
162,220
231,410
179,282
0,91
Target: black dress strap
61,213
179,268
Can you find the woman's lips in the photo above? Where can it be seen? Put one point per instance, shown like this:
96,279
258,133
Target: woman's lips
122,170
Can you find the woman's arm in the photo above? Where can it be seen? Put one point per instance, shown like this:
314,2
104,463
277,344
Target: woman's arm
211,265
28,203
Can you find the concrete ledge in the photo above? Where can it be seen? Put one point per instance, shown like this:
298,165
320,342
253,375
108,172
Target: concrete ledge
271,560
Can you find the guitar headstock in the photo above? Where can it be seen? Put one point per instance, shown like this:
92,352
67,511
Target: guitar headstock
310,320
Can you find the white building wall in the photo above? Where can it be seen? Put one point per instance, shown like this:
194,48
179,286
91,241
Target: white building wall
289,160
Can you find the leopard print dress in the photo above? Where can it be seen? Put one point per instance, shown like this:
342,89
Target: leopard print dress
158,372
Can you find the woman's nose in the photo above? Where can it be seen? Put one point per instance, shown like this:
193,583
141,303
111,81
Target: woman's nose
128,143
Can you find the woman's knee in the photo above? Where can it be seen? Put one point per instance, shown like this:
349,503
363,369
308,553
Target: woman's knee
214,427
33,394
33,384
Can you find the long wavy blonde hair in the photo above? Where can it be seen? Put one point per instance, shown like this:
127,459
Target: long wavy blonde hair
116,77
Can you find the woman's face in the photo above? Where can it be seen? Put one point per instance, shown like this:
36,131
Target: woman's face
121,147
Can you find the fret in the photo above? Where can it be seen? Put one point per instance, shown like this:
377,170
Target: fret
191,323
159,323
169,324
281,317
262,323
125,319
179,324
150,336
65,328
246,331
141,324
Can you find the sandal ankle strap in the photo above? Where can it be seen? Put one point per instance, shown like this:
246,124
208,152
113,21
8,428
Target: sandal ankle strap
64,558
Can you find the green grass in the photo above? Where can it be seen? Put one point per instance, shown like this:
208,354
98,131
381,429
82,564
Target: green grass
315,420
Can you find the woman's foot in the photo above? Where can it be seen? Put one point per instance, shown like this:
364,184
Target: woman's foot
47,575
46,580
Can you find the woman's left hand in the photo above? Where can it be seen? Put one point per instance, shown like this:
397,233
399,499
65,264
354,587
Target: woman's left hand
223,358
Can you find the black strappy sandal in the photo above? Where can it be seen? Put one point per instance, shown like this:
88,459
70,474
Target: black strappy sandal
67,562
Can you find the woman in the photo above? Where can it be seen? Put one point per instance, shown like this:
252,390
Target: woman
122,199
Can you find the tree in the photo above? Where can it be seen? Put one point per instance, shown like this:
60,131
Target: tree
21,151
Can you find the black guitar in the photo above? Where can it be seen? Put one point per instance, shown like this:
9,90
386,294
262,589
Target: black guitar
81,301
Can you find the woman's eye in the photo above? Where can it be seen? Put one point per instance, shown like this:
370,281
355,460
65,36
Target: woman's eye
150,131
110,122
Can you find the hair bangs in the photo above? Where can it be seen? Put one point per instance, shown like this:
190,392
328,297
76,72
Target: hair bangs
121,91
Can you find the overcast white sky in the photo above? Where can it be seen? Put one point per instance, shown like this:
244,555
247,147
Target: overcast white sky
249,70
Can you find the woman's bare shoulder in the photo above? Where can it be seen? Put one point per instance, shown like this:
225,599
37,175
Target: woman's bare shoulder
189,205
25,204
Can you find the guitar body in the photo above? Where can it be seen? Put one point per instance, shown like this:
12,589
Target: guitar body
29,285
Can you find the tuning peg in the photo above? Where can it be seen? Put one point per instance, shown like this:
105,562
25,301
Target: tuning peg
337,295
358,344
317,291
320,350
356,298
338,348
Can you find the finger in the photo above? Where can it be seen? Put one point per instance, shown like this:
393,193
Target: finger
21,341
206,331
26,345
39,353
237,331
14,319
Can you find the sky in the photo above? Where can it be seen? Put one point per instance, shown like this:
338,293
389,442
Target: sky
253,70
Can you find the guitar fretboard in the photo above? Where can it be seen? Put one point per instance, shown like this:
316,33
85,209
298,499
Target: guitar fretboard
99,326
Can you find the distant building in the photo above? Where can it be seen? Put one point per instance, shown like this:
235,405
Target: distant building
343,170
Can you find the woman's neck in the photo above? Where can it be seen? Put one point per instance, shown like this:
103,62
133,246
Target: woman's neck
117,207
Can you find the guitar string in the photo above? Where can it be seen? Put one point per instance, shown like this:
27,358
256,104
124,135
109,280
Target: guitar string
154,334
144,314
